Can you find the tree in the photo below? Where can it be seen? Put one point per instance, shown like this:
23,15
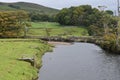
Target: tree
61,16
82,15
12,23
77,15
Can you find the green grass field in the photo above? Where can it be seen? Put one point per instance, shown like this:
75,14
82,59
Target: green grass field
55,29
11,50
45,25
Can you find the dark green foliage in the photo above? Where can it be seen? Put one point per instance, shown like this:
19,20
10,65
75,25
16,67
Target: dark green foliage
109,12
14,6
84,15
81,15
40,17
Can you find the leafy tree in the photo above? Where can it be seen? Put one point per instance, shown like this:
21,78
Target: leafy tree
81,15
12,23
77,15
61,16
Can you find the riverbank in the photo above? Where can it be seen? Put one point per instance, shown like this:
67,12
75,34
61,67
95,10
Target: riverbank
58,43
108,45
10,51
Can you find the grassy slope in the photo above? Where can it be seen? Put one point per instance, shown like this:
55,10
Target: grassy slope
11,68
30,7
56,29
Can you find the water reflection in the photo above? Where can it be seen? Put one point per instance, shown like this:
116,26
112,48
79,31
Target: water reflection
80,61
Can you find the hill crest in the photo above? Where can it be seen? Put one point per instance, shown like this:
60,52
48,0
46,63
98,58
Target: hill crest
27,6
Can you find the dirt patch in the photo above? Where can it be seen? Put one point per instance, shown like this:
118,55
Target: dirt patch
58,43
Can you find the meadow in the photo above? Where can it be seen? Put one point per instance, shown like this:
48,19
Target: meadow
55,29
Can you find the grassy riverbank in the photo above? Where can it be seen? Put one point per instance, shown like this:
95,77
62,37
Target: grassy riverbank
108,42
10,51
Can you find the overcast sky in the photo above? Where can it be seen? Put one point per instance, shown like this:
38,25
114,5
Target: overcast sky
59,4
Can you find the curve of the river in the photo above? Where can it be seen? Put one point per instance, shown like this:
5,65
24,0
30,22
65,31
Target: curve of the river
80,61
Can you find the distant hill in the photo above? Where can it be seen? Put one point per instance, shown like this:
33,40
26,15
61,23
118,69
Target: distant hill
30,7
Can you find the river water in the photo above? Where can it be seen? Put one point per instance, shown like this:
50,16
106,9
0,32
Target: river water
80,61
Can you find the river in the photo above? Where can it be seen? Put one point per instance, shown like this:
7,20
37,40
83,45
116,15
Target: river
80,61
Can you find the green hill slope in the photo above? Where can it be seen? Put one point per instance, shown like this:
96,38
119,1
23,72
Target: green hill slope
30,7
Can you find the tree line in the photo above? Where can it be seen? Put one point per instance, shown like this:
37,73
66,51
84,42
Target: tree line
38,17
85,15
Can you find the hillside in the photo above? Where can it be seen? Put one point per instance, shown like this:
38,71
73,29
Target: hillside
30,7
